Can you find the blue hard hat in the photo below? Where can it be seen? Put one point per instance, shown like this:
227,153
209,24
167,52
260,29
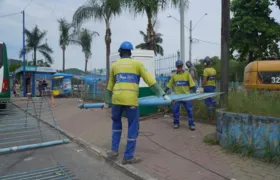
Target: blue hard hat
179,63
206,61
126,46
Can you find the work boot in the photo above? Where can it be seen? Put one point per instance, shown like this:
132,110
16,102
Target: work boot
192,127
131,161
176,126
112,155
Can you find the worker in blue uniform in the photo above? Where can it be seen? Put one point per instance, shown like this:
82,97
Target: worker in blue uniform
209,82
182,83
122,93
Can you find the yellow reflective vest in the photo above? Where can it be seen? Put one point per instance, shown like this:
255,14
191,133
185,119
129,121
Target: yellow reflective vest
124,81
181,82
210,73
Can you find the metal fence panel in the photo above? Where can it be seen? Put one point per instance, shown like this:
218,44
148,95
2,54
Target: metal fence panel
22,124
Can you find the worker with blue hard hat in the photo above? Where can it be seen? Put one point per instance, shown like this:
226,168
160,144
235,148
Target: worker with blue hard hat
209,82
182,83
122,92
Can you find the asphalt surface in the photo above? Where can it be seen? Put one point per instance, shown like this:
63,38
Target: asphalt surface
83,164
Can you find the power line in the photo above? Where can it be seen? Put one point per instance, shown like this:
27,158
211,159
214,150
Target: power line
27,5
11,14
6,15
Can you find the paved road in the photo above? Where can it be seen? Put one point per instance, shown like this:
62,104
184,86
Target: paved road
80,162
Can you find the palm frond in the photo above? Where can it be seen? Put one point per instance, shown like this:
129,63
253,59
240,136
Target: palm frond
91,9
47,56
158,49
142,46
41,37
64,30
45,47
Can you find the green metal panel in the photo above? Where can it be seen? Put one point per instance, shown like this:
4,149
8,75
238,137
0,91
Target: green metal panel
146,110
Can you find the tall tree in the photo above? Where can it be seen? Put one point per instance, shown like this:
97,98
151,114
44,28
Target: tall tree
156,45
34,41
151,9
65,36
254,34
100,10
84,39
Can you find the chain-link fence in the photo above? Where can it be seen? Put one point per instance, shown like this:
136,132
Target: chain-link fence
93,87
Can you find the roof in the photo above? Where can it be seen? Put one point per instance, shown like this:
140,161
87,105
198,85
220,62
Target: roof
63,74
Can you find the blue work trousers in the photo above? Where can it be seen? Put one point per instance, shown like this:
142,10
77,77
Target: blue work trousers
176,112
132,113
209,102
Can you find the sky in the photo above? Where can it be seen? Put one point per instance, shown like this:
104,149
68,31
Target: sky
125,27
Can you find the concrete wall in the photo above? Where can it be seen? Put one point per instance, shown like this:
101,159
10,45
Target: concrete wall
261,133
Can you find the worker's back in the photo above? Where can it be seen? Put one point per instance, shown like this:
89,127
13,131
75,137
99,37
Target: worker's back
126,74
210,73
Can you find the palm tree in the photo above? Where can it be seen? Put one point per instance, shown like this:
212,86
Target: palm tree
64,37
151,8
34,39
84,39
100,10
156,45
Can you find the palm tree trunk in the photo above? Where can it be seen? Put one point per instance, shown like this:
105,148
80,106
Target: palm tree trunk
34,60
86,62
108,49
63,59
150,31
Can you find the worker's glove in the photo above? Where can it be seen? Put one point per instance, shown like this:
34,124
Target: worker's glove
165,97
106,106
199,90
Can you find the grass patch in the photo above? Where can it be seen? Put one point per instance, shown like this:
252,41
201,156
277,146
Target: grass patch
256,103
269,155
211,139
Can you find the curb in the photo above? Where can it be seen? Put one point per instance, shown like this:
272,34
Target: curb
127,169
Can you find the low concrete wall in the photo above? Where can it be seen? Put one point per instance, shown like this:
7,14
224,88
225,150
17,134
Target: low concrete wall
260,132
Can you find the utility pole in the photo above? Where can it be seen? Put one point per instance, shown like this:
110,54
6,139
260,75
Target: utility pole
191,41
225,37
24,52
182,30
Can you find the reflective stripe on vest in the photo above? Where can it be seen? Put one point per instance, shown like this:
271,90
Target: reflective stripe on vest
211,78
182,83
127,78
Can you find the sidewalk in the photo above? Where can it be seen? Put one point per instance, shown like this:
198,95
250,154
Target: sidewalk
168,154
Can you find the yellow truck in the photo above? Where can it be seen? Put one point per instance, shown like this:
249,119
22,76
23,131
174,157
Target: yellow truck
262,75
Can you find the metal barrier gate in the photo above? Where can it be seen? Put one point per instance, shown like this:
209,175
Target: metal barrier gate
22,125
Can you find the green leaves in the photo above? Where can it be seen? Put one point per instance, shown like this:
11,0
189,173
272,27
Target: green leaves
253,32
34,40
